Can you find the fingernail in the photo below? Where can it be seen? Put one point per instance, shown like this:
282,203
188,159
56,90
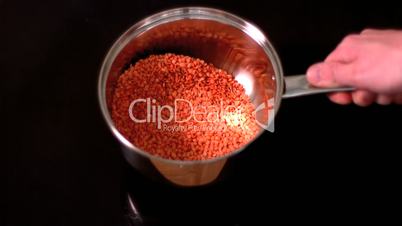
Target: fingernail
313,74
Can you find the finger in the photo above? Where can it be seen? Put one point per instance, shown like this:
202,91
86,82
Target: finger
370,31
376,32
342,98
363,98
384,99
331,74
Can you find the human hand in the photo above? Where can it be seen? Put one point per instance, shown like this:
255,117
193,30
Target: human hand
370,61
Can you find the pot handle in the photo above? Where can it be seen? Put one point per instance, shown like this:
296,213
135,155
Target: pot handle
297,85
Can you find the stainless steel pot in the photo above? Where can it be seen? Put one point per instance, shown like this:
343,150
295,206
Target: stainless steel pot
218,37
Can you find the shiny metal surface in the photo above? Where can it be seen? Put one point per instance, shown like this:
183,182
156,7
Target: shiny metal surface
217,37
297,85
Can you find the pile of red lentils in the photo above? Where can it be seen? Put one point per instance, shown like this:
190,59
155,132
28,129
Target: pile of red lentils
212,115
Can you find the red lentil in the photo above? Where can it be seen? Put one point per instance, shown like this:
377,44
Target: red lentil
165,79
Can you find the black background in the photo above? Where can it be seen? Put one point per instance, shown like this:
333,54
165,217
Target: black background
324,164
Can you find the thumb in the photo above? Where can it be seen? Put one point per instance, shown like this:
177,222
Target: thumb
331,74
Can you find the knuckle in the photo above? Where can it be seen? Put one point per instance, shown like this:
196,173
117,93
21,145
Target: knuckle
351,39
368,31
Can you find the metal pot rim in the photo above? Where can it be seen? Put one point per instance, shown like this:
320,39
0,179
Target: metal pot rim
173,15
